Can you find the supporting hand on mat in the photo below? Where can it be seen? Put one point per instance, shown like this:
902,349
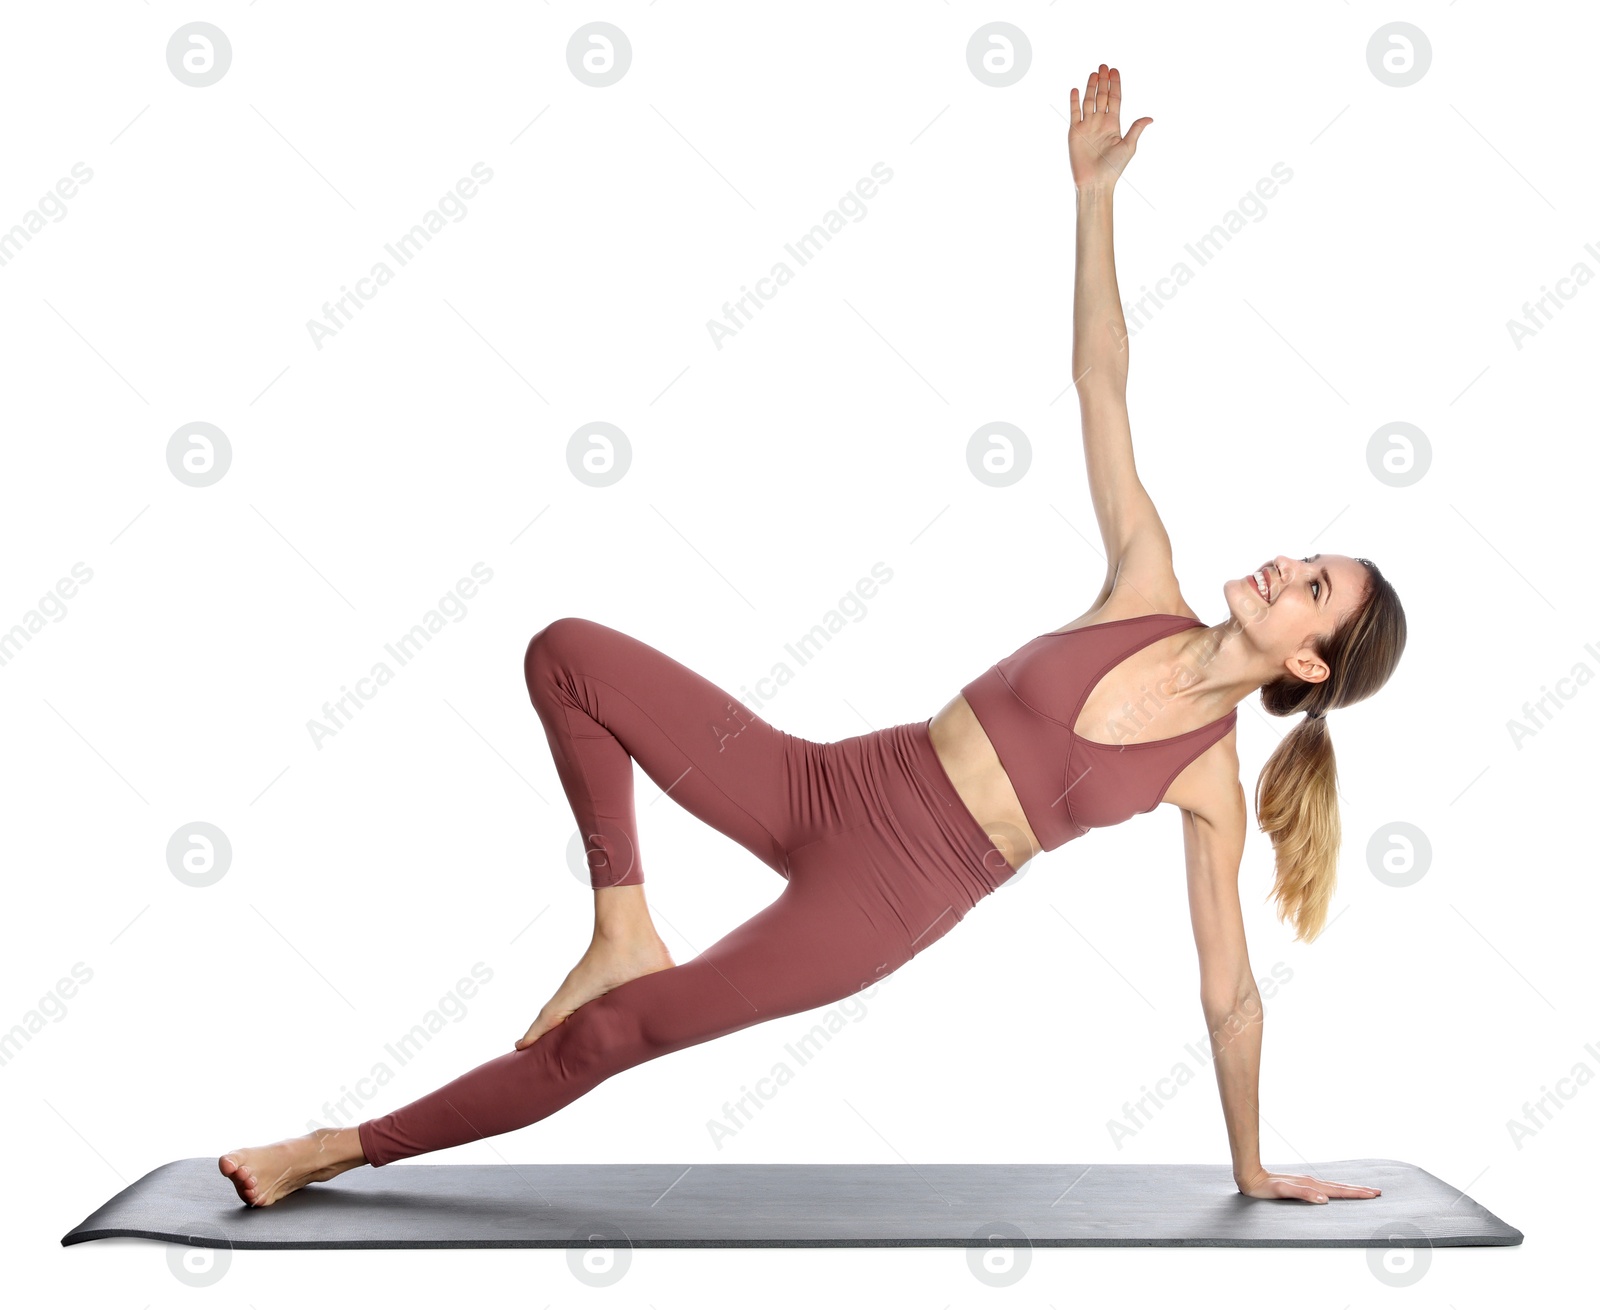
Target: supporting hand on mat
1095,144
1302,1187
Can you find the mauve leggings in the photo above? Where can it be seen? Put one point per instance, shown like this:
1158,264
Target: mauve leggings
881,856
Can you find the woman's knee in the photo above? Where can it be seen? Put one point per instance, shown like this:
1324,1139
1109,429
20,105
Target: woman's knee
553,647
600,1038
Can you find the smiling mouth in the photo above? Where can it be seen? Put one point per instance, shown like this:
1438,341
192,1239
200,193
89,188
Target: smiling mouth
1258,580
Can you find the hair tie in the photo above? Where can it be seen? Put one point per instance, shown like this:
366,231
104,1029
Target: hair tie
1314,714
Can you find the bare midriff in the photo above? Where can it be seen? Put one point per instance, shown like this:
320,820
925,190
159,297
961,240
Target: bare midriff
969,757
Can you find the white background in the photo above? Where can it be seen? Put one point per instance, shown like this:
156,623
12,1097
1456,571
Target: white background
767,477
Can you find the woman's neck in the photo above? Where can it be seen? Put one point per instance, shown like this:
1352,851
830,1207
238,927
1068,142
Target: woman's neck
1216,668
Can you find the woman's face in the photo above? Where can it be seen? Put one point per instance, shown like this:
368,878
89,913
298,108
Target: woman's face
1305,599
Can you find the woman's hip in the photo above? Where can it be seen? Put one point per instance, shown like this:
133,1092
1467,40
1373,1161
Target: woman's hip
897,828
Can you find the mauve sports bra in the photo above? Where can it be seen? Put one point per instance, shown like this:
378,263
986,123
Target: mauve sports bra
1027,704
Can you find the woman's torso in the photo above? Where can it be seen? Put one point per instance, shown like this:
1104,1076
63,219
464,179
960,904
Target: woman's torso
974,767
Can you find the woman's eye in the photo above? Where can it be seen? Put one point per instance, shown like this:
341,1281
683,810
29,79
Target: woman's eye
1316,586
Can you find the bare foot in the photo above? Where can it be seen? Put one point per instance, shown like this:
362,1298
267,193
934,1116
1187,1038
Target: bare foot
264,1174
608,963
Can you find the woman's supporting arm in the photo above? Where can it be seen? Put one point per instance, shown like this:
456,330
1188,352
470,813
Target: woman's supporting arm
1213,846
1213,849
1236,1055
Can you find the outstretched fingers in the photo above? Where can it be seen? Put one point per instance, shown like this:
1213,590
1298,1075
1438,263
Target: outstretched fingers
1319,1191
1102,92
1114,94
1346,1189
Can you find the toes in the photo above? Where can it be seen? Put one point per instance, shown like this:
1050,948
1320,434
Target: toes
244,1179
540,1027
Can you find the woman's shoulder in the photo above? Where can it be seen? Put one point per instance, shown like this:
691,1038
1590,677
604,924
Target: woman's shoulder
1130,600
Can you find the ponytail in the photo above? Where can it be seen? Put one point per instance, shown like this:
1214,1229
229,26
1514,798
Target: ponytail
1297,806
1297,794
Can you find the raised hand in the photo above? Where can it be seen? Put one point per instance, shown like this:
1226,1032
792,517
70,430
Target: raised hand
1302,1187
1095,144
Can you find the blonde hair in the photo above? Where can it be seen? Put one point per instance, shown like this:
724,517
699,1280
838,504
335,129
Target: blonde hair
1297,794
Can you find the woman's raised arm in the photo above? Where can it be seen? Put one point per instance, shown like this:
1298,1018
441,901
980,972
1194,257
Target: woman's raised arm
1135,538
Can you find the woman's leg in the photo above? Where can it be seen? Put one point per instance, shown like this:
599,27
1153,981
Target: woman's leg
824,938
832,932
607,699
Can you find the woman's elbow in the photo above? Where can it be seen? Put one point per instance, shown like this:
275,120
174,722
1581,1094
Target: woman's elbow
1231,1007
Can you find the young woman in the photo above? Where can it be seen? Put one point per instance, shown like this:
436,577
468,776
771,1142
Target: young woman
887,840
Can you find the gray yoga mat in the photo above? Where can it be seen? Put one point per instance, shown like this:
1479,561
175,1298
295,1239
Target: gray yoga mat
678,1205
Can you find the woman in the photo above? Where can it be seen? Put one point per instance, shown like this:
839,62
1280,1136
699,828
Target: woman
888,839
